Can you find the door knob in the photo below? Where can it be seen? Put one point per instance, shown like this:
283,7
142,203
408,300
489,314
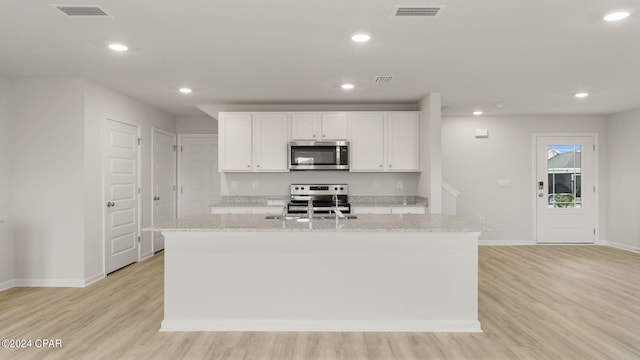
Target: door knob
540,195
110,204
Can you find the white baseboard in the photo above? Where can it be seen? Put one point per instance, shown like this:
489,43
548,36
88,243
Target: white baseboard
622,246
505,242
6,285
319,325
93,279
49,283
146,256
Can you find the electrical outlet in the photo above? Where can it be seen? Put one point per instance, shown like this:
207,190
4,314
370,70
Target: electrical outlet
399,184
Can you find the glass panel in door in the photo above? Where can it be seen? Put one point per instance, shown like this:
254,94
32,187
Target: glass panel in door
564,174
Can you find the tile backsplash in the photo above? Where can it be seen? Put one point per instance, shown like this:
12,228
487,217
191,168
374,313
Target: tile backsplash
277,184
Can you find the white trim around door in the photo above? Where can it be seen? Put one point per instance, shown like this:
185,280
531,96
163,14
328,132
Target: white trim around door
588,172
157,242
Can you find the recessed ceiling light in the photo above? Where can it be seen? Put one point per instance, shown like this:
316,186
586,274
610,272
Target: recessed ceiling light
477,112
617,16
347,86
361,37
581,95
185,90
118,47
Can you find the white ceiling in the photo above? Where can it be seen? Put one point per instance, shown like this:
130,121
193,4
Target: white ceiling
530,55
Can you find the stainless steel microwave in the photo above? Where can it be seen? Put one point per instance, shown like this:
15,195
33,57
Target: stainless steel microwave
319,155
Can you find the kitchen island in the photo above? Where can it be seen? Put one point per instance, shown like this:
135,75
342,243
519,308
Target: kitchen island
373,273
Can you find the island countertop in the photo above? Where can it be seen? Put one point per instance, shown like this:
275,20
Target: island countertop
364,223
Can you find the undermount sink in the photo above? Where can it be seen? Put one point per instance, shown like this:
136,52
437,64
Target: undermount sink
295,217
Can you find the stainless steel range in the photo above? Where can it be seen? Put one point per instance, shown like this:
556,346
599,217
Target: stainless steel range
324,198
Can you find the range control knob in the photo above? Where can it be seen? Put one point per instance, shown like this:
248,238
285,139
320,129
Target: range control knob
335,188
302,188
297,188
341,188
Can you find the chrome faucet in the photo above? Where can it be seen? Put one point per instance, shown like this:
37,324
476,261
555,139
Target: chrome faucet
310,208
337,211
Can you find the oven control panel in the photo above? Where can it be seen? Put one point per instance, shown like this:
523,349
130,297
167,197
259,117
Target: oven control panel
319,189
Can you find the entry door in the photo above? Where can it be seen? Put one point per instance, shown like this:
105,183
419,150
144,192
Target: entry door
121,194
199,178
164,182
565,189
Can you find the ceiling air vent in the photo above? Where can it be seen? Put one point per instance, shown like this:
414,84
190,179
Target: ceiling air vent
417,11
383,79
81,10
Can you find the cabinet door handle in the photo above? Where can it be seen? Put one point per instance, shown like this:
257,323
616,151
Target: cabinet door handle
314,135
390,165
380,165
248,166
258,166
323,135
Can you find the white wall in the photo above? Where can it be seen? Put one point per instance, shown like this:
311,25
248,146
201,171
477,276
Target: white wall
473,166
47,180
196,125
430,180
6,239
100,102
277,184
623,173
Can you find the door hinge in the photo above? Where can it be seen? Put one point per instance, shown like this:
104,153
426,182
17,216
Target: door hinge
175,148
594,231
139,141
174,188
138,189
594,147
138,239
181,190
594,189
181,148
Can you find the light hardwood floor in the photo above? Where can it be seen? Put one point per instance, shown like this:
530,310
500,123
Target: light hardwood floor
536,302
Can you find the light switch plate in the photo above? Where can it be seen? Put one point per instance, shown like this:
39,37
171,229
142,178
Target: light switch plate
482,133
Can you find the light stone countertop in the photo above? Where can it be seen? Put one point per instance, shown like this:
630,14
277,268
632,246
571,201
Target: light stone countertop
364,223
356,201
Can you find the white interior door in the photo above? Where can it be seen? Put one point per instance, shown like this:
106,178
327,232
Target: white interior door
565,189
121,194
164,182
199,178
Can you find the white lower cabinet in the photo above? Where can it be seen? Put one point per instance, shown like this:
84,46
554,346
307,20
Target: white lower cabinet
267,210
378,210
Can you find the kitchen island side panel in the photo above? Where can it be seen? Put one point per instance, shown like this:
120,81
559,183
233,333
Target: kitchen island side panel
319,281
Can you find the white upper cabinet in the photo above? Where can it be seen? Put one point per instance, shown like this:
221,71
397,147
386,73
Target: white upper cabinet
253,142
235,138
304,126
403,141
367,142
270,142
334,126
385,142
319,126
